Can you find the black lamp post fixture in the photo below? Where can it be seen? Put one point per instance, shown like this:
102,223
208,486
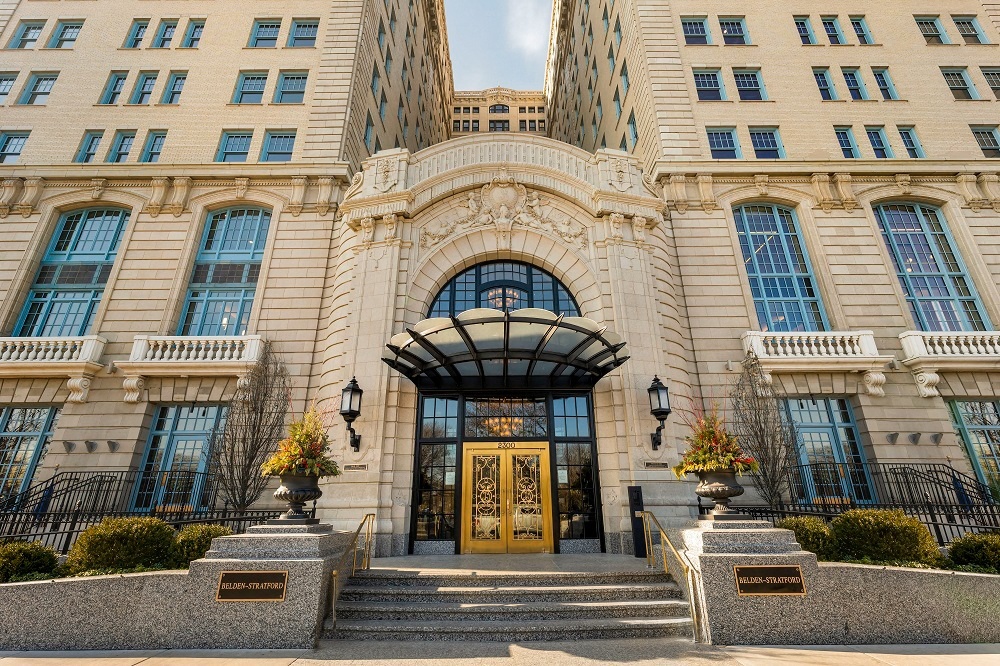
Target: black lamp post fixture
350,409
659,407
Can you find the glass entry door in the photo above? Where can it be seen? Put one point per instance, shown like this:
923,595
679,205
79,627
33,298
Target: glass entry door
507,503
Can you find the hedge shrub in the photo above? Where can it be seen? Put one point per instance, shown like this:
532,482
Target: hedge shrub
21,559
882,535
123,543
194,541
977,550
813,534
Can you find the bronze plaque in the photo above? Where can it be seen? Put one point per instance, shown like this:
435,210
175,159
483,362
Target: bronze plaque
783,579
252,586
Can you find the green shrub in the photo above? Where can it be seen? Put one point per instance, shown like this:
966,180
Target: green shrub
123,543
981,550
883,536
22,558
813,534
975,568
194,541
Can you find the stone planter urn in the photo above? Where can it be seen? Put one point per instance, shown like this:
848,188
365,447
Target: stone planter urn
297,490
719,486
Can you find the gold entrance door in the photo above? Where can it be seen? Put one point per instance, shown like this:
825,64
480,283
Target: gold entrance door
506,498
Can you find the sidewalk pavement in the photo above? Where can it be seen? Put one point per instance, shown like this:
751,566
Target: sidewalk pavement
636,652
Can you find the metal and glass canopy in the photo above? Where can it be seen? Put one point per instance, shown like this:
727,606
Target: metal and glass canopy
490,349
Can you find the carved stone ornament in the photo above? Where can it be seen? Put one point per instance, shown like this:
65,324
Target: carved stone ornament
639,225
356,183
386,173
8,192
502,204
295,204
133,388
30,194
926,380
389,221
182,189
874,381
97,187
324,194
78,387
616,220
242,184
761,181
367,230
159,186
620,177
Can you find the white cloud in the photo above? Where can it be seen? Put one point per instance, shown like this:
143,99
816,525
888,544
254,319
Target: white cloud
527,23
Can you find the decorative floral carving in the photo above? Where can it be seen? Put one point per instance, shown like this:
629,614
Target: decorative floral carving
760,180
639,225
390,226
616,220
242,184
620,177
356,182
903,182
97,187
386,173
367,230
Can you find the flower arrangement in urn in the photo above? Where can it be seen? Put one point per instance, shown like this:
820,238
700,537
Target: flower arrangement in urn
715,455
301,459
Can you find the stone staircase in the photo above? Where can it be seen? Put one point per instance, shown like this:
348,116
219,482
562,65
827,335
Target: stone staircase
397,605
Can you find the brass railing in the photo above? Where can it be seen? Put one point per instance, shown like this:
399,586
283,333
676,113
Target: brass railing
339,574
648,521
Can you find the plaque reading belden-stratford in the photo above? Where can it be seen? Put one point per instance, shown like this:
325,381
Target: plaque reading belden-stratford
252,586
785,579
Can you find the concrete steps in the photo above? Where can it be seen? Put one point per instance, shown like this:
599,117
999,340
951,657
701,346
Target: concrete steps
393,605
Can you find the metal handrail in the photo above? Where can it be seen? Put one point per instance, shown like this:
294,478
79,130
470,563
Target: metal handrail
647,519
337,580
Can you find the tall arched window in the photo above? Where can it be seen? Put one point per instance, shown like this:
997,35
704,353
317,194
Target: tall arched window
503,285
939,292
220,296
781,279
74,271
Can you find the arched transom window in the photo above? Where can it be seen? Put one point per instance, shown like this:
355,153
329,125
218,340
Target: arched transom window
503,285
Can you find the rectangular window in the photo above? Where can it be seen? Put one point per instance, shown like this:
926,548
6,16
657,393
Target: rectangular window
174,88
618,105
65,34
303,32
633,130
931,29
624,77
695,31
25,434
250,88
143,91
291,88
833,469
606,20
27,35
456,126
475,127
845,139
734,31
113,88
11,145
136,33
959,83
382,106
381,35
988,139
979,425
121,147
880,146
852,77
532,126
192,38
861,30
523,126
968,28
388,63
165,34
234,147
437,461
7,80
88,147
804,28
884,81
618,32
278,146
723,143
369,132
748,83
992,77
611,58
766,143
376,80
708,83
831,25
265,34
38,88
153,148
908,136
825,85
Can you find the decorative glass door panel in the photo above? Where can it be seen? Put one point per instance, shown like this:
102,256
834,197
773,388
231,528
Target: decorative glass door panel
507,506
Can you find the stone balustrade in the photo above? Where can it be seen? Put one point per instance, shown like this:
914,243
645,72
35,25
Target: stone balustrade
926,353
820,351
77,357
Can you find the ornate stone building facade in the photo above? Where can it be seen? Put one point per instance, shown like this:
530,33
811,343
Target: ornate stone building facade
786,183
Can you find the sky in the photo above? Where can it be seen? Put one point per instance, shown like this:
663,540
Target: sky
498,42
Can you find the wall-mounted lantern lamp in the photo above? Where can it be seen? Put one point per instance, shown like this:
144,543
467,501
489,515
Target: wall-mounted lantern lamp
659,407
350,409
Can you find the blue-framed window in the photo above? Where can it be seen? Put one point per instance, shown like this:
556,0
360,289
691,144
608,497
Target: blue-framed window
24,438
861,30
979,425
383,105
265,34
153,147
606,20
175,86
611,58
884,82
221,293
71,279
777,264
831,26
27,35
291,88
723,144
7,80
165,34
708,84
65,34
826,89
88,146
968,28
959,83
830,449
192,36
381,35
804,27
855,85
376,80
908,135
503,285
38,88
121,146
633,130
624,78
136,34
278,146
618,104
144,85
749,85
388,63
880,145
766,143
234,146
250,88
939,292
370,132
988,138
114,87
11,145
991,74
696,31
930,28
734,31
173,472
845,139
618,32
